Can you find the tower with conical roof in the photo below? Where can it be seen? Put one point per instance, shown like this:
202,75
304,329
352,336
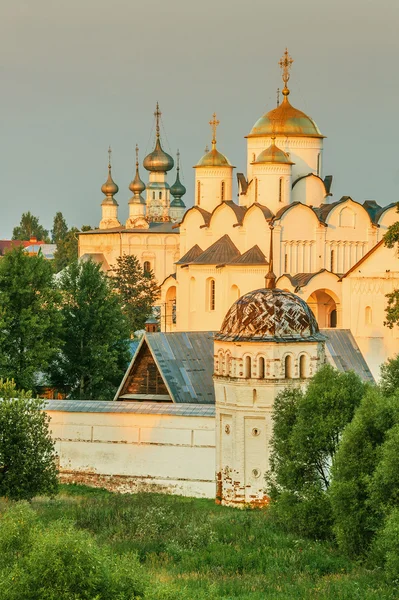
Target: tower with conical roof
137,207
109,206
294,132
177,206
158,163
213,176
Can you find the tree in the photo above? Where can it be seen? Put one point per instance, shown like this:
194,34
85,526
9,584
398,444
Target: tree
95,335
27,456
60,228
306,434
29,227
67,248
389,382
391,239
30,320
356,517
137,288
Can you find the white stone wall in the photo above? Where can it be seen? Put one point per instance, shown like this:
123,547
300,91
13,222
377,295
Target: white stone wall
208,186
137,452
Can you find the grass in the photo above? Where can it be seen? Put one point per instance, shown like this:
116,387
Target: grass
193,549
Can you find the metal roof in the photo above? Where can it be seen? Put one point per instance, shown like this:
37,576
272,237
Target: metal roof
344,353
253,256
191,255
155,408
185,363
220,252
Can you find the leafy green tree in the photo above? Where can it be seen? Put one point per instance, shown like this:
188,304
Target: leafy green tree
356,517
30,227
60,228
30,320
95,335
389,382
67,248
137,288
391,239
307,430
27,456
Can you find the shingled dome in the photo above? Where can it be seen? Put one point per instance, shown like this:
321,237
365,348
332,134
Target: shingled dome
269,315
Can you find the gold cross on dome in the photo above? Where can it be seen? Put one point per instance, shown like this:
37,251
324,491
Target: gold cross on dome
157,115
285,65
137,155
109,156
214,123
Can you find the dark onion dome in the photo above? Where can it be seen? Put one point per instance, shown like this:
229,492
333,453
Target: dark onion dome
269,315
213,158
177,189
158,160
273,155
287,121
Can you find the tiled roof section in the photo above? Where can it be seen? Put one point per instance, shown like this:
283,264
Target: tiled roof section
379,213
238,210
6,245
154,408
301,279
372,208
223,251
344,353
191,255
154,227
266,211
253,256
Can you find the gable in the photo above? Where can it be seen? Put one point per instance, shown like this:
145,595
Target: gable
144,378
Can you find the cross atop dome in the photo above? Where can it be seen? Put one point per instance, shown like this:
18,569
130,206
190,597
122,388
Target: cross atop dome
285,63
214,124
157,115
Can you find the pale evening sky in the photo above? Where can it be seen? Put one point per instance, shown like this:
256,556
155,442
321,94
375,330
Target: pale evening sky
77,76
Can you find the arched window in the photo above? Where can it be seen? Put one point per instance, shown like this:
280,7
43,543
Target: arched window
254,396
235,293
222,191
212,294
261,369
288,367
147,266
280,189
153,195
332,260
302,366
368,315
318,164
253,157
347,217
160,195
192,297
333,318
256,189
248,366
286,263
198,193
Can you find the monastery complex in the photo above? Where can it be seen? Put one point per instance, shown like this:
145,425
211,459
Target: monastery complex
256,293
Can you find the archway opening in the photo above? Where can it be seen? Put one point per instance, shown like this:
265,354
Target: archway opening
288,367
170,308
248,367
325,306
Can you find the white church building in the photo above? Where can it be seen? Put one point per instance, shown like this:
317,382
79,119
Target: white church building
255,295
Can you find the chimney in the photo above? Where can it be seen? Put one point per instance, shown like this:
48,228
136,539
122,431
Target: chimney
151,325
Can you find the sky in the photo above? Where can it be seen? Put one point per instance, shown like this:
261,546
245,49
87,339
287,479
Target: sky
81,75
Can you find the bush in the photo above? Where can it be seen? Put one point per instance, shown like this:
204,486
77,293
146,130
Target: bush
386,545
60,562
27,456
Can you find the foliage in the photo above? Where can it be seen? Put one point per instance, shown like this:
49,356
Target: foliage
29,227
60,228
389,381
30,320
391,239
306,434
386,545
192,548
59,562
67,250
356,518
27,456
137,289
95,350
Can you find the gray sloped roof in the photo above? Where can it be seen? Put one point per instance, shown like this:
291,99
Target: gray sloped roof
345,353
222,251
155,408
191,255
253,256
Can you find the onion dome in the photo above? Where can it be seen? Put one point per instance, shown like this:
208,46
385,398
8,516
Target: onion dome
137,186
274,155
158,160
270,315
213,158
285,120
109,188
177,189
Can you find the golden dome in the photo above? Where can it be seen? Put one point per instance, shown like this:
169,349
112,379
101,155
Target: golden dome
109,188
272,154
285,120
214,158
